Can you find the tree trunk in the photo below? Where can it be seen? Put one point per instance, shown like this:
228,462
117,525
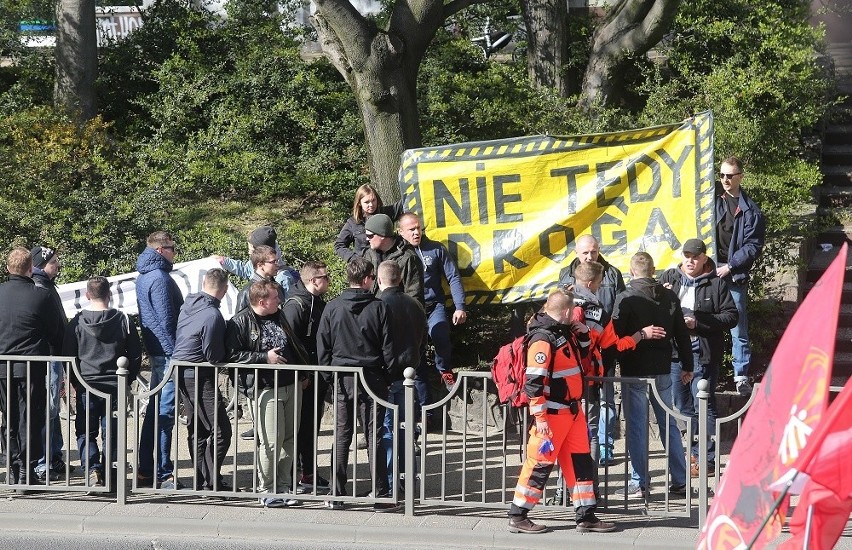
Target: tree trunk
633,26
381,67
547,43
76,58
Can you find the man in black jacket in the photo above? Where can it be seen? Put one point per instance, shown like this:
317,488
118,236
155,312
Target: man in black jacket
264,259
601,415
200,338
97,337
28,326
355,331
409,324
385,244
709,310
256,335
302,311
647,302
45,270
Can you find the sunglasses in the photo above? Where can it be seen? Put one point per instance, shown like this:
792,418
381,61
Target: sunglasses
171,247
723,175
322,277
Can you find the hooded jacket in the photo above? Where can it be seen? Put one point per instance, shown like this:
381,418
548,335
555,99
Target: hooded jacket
715,311
28,325
97,339
200,336
302,311
159,299
647,302
355,331
412,268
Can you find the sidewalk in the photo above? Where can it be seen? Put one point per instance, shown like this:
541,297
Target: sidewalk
245,520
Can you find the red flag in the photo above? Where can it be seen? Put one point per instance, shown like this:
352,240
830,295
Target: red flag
787,408
827,472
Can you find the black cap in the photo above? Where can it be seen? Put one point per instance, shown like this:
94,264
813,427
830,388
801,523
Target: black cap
695,246
41,255
263,235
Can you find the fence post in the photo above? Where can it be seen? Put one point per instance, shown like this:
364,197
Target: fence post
702,395
410,424
121,436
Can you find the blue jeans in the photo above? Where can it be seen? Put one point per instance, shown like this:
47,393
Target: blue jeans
636,416
739,334
686,401
94,408
601,415
166,420
56,372
396,395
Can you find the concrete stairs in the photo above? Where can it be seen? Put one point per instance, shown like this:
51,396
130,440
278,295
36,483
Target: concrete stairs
834,199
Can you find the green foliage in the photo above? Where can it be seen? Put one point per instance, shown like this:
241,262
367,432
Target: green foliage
68,193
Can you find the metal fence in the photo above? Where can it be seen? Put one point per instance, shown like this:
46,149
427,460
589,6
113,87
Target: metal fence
471,457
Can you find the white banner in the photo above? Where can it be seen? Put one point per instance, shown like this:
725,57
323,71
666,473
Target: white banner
187,275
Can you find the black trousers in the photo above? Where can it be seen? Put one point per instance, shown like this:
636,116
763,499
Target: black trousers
16,399
344,407
313,406
208,428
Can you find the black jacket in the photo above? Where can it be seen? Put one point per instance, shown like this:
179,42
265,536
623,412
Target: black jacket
412,268
41,280
200,335
353,234
715,311
647,302
354,331
243,341
408,328
97,339
28,325
302,311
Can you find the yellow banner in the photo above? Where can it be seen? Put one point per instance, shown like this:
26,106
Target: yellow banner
509,210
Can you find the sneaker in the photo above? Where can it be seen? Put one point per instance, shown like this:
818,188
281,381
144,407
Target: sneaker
744,388
333,504
595,526
381,507
606,458
248,434
170,484
693,468
525,525
144,481
677,489
96,478
271,502
449,379
307,482
636,492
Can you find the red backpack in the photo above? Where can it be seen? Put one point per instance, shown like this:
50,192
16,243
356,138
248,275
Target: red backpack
508,370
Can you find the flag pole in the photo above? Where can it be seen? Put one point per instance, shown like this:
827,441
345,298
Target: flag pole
774,509
808,526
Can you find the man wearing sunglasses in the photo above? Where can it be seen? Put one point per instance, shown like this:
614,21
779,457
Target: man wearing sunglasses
740,234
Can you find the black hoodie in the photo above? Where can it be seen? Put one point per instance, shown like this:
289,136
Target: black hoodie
647,302
302,311
97,339
354,331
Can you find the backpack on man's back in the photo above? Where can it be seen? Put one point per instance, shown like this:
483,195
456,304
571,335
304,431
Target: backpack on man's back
509,368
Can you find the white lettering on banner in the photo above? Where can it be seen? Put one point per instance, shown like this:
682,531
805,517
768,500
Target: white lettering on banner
187,275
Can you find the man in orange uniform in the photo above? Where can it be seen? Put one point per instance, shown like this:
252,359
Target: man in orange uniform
557,356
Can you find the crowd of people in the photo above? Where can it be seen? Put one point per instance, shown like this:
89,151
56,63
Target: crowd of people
669,330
